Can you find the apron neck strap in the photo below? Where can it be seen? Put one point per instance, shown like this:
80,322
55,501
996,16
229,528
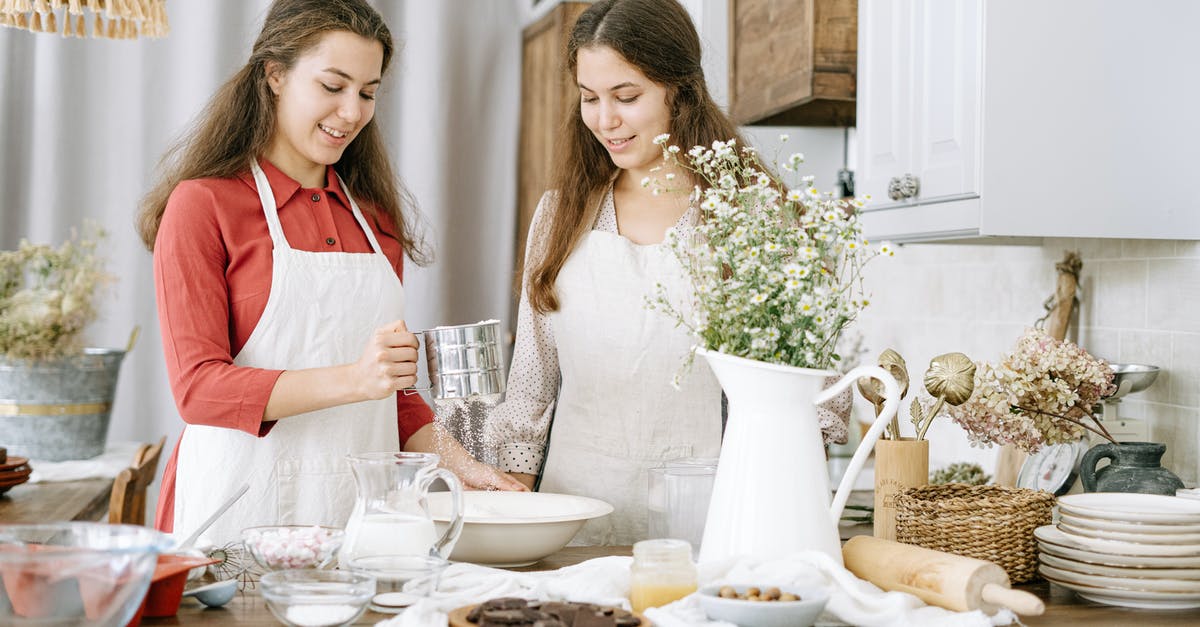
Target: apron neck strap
267,199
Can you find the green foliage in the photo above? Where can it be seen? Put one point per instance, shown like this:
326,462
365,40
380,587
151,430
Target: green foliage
961,472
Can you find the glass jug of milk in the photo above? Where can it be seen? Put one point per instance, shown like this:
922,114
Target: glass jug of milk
391,516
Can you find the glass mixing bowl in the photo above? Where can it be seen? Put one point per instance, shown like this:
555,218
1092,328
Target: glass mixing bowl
317,598
61,574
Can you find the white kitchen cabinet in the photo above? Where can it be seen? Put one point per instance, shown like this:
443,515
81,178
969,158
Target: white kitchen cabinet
1022,118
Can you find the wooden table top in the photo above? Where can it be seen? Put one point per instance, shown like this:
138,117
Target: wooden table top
86,499
1063,608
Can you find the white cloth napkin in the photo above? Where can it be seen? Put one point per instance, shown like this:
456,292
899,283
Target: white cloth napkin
117,456
852,601
605,581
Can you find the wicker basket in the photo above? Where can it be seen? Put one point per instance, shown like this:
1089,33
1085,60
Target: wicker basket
986,522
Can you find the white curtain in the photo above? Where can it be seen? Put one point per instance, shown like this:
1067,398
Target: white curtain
83,123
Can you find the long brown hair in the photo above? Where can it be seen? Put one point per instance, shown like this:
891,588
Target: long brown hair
658,38
247,104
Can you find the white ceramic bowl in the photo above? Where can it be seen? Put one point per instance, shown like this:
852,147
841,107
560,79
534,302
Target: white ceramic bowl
515,528
802,613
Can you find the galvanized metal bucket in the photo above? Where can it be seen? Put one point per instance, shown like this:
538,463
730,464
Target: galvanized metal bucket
58,409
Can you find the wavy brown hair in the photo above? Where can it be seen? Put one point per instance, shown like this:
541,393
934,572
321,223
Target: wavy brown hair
658,38
246,103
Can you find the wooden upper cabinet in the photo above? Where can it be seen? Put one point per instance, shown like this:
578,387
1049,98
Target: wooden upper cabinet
546,94
793,62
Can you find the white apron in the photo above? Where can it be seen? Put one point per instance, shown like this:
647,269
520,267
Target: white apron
617,414
321,311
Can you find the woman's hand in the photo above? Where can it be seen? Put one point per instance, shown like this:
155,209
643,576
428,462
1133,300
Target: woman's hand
525,479
477,475
388,363
474,474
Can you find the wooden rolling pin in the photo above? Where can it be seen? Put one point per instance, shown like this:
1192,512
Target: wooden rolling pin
951,581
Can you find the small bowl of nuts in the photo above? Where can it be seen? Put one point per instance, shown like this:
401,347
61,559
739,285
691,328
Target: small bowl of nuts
763,606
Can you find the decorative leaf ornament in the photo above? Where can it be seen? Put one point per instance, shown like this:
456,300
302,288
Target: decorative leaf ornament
872,389
950,379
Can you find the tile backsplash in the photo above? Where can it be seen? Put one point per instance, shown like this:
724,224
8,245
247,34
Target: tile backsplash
1139,303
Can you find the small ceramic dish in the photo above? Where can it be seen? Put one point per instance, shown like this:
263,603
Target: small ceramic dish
214,594
802,613
1131,507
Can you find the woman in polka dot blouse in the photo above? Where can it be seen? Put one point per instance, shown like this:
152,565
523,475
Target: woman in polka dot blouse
590,406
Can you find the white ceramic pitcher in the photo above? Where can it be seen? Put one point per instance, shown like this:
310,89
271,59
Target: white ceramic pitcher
771,494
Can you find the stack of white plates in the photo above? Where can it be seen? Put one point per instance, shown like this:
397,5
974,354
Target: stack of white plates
1133,550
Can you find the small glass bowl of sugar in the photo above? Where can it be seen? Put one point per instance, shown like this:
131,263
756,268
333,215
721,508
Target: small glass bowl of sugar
317,598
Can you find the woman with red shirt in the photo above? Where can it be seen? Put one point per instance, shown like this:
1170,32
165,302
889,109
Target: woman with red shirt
278,233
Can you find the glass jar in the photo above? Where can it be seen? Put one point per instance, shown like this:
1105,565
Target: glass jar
662,572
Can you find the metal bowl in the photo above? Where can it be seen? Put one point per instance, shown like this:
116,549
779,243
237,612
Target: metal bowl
1132,378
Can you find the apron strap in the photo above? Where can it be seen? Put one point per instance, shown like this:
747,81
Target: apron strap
267,198
358,215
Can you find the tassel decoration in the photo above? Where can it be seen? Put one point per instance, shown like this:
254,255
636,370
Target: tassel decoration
115,19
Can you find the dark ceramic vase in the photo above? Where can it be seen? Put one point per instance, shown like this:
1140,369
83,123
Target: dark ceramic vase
1134,467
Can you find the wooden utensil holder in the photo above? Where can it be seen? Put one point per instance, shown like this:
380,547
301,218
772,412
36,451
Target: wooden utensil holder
899,465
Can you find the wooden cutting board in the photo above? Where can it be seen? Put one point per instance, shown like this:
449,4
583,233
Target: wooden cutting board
458,617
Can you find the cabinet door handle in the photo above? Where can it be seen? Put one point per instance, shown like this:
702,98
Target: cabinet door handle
902,187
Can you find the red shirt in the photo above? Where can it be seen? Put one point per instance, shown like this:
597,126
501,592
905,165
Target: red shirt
212,276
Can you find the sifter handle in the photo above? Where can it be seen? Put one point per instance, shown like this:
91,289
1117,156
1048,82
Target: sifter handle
1019,601
416,390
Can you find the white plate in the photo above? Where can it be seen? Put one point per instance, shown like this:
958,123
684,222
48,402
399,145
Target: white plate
1125,536
1180,586
1115,571
1124,561
1132,598
1052,534
1127,507
1126,527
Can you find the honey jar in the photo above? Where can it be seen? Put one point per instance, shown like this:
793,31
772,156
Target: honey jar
662,572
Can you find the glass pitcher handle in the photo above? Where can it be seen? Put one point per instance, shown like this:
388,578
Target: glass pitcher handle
445,544
890,407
